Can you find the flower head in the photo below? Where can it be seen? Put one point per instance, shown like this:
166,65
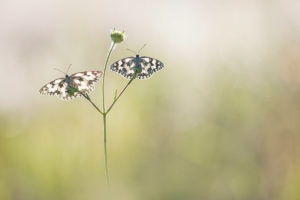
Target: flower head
117,36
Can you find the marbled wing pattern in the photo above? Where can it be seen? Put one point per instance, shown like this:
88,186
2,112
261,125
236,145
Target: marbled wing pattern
149,67
83,81
146,66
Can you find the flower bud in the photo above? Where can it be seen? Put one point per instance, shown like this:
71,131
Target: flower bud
117,36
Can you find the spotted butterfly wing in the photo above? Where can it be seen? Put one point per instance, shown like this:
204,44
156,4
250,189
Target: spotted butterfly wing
149,67
145,67
58,88
83,81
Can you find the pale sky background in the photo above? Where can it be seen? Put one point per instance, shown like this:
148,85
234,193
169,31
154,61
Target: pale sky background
188,36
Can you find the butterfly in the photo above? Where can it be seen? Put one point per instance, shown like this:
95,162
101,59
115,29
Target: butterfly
72,86
142,66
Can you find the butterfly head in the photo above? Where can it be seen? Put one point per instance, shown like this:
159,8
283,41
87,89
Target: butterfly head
68,79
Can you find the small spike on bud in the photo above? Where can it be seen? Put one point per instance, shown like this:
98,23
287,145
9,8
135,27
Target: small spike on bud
117,36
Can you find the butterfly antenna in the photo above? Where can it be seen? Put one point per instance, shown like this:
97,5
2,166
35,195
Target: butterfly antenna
59,70
69,68
131,51
142,48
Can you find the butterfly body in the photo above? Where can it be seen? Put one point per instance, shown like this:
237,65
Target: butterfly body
142,66
68,79
72,86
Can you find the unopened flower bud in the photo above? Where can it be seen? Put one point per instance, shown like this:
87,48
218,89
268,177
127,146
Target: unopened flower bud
117,36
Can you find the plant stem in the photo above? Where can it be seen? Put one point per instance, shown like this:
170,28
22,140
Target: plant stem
105,149
104,113
89,99
110,107
104,72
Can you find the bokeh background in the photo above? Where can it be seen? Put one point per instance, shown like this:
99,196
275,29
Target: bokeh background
220,121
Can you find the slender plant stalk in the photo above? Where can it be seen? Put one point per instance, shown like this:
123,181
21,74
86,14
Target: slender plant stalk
104,120
104,72
105,148
110,107
89,99
104,113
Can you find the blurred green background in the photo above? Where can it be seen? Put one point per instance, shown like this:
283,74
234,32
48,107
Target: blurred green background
220,121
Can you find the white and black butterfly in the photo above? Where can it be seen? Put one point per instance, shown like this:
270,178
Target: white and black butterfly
72,86
143,66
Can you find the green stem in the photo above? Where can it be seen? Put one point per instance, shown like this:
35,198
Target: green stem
104,72
115,100
104,113
89,99
105,149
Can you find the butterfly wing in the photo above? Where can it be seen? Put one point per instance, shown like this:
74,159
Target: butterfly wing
85,81
51,88
58,88
124,67
149,67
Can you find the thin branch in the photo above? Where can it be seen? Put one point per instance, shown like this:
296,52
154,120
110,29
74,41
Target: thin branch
86,96
89,99
104,113
104,72
115,100
105,149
